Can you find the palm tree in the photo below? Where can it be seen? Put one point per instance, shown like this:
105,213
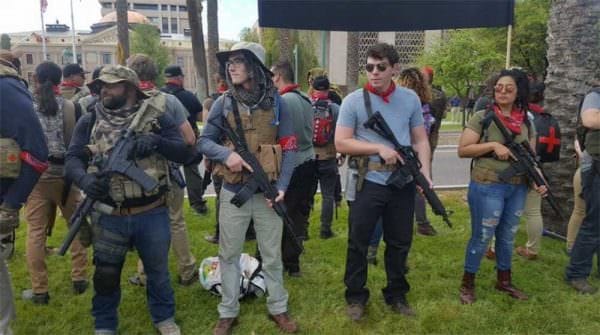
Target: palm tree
573,62
285,47
213,42
194,8
352,65
122,31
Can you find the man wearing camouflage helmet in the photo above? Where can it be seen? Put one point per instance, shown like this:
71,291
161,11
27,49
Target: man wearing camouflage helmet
138,218
253,107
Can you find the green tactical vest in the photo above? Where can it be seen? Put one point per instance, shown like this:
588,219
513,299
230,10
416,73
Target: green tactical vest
592,143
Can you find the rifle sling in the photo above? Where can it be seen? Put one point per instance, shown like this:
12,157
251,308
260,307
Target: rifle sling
368,106
238,123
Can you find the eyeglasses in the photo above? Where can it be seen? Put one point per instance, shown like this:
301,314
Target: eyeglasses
506,88
380,67
235,61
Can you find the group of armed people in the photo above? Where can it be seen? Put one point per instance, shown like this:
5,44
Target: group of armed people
267,145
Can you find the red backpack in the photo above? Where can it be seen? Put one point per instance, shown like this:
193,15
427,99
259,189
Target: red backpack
323,123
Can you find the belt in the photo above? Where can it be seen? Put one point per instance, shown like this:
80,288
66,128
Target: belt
140,209
375,166
486,176
56,160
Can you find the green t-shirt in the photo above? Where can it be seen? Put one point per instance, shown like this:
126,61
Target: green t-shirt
494,135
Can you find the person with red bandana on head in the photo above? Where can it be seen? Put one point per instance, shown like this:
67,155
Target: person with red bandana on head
375,159
298,197
73,84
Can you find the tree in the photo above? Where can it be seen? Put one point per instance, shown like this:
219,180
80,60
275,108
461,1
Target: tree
146,39
573,63
5,42
352,66
213,42
194,8
122,31
285,45
249,35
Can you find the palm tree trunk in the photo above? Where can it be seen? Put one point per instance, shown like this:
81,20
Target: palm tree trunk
194,8
285,47
213,42
573,62
352,66
122,31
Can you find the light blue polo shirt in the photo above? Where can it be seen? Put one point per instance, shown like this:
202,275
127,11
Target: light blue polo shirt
402,113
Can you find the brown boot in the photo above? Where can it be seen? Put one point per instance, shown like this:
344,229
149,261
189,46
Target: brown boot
467,289
504,284
285,323
224,326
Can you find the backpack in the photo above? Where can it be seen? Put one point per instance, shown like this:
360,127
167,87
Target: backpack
323,123
580,130
252,280
548,139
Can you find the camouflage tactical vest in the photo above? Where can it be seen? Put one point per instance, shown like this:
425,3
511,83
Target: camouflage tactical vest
261,137
155,165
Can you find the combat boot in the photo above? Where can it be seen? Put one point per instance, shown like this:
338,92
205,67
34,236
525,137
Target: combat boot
504,284
467,289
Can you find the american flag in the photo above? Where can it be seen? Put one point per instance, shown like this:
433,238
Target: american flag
43,5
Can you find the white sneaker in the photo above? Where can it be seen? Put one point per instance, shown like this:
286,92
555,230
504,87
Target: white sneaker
168,327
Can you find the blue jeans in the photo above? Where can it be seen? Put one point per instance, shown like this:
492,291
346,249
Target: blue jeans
588,239
149,233
495,210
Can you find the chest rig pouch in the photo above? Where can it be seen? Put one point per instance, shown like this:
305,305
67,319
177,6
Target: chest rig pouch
122,188
10,160
261,135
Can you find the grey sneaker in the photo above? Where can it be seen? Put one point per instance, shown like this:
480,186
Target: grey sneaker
355,311
168,327
582,286
36,298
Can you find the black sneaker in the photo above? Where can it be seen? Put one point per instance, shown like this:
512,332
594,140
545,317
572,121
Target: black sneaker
80,286
402,307
355,311
189,281
214,239
327,235
36,298
426,229
201,208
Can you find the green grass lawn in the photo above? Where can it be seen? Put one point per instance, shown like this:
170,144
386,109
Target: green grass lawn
317,299
451,127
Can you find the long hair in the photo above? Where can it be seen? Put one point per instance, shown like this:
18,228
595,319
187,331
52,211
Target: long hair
413,78
47,75
522,82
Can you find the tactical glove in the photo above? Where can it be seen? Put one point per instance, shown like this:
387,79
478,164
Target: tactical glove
144,146
94,186
9,219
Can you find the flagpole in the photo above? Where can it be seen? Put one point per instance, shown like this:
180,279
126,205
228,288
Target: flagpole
45,53
508,45
73,33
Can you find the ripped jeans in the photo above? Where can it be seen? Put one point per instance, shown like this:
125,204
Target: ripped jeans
495,210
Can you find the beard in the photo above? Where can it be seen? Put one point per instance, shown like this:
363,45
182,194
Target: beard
114,102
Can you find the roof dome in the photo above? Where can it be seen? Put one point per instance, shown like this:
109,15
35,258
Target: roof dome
132,17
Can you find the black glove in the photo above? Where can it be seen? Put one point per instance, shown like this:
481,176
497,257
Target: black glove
144,146
95,186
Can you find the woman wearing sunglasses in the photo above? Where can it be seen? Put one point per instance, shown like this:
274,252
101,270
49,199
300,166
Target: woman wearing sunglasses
495,206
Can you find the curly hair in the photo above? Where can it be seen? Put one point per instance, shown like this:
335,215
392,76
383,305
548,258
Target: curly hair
413,78
520,78
384,50
144,66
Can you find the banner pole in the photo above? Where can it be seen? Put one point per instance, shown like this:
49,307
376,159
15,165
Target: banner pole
508,43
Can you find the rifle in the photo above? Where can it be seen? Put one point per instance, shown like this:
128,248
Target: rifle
410,170
525,163
258,180
117,162
206,179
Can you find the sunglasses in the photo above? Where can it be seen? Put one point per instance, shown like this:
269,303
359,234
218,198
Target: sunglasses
380,67
506,88
235,61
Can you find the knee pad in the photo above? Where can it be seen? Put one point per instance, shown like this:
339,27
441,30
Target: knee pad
106,278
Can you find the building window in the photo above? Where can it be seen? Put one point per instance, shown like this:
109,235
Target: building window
173,7
29,59
106,58
165,25
183,8
173,26
145,6
164,7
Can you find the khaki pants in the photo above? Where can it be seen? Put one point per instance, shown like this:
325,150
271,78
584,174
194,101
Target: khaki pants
534,221
40,212
578,210
186,263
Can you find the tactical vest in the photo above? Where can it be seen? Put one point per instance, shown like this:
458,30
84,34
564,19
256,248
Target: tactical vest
155,165
592,143
261,137
10,162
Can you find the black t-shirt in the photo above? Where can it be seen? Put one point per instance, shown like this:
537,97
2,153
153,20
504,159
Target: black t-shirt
188,100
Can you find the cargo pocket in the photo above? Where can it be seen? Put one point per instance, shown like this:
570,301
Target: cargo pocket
269,157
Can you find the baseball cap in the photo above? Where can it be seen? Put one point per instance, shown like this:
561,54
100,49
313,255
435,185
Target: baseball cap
71,69
173,71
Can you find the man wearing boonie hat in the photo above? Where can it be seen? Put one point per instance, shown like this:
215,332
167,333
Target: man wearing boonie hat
253,106
132,216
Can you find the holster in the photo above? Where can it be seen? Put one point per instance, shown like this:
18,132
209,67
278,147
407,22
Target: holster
245,193
400,178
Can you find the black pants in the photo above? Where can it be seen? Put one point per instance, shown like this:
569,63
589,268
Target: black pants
396,207
327,176
193,181
298,202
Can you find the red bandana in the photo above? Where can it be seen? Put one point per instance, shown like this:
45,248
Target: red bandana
146,85
512,122
69,83
535,108
222,89
288,88
384,95
319,95
176,82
